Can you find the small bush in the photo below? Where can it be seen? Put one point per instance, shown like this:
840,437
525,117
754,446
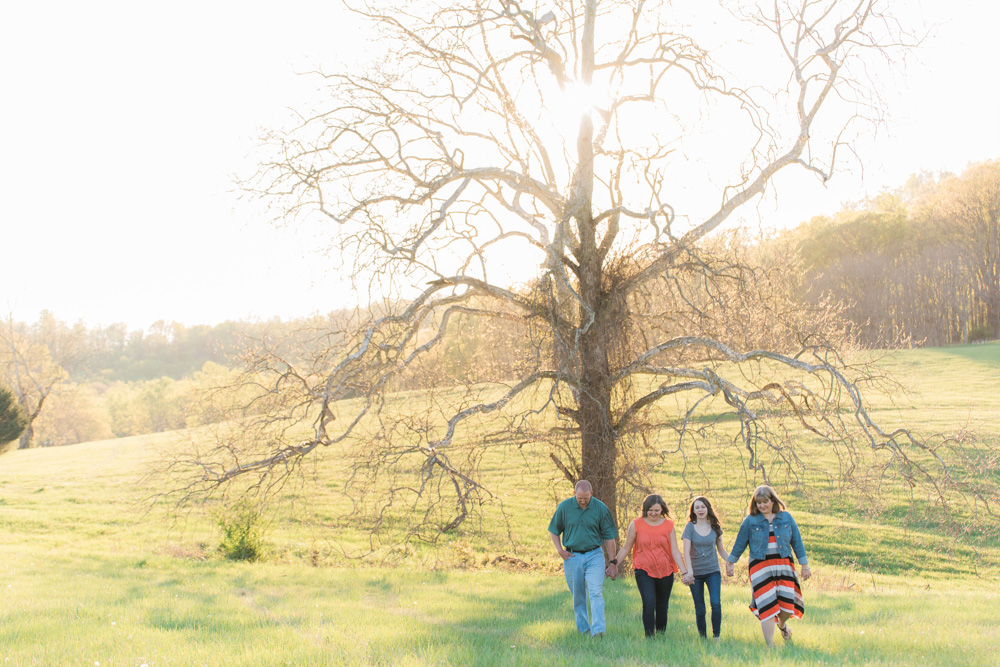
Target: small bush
980,332
13,421
242,532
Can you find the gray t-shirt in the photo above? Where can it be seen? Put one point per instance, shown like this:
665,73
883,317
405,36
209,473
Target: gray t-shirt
704,559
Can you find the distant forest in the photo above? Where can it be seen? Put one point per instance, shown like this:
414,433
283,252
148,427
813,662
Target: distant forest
166,349
916,266
77,383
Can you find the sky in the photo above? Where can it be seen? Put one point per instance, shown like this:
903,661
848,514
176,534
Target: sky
123,125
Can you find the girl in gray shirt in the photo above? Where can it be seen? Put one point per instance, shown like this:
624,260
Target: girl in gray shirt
702,539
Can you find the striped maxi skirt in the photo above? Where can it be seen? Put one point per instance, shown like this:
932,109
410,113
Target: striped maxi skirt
775,586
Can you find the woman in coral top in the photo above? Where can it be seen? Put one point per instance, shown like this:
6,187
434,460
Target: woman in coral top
655,558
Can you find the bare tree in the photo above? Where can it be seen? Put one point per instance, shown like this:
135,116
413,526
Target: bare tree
554,171
28,367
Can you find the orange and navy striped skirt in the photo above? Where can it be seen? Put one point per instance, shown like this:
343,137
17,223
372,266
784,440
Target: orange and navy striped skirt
775,584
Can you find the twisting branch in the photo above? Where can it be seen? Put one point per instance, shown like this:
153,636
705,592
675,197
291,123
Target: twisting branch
510,188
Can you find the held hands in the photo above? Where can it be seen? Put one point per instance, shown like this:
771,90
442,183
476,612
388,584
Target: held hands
612,571
687,578
731,569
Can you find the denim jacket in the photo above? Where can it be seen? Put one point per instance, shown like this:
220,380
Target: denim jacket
754,530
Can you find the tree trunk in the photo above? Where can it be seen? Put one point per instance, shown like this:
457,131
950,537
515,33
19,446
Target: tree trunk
599,449
24,442
597,439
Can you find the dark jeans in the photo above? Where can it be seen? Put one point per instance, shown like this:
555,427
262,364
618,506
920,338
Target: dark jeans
655,594
714,583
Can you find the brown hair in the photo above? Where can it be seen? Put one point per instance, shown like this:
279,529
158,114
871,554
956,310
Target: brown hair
764,491
654,499
712,518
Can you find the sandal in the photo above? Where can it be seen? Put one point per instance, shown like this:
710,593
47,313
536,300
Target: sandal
786,632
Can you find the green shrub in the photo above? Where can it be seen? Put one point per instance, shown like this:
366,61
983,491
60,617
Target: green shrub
980,332
242,532
13,421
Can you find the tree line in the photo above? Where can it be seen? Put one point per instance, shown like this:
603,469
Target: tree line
919,265
72,383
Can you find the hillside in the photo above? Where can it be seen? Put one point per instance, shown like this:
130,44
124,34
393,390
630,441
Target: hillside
94,571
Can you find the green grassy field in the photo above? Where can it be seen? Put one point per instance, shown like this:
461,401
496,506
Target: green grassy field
90,574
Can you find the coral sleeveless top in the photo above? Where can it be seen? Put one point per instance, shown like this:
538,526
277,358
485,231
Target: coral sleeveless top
651,551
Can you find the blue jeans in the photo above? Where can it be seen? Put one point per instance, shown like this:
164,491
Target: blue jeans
714,583
655,594
585,578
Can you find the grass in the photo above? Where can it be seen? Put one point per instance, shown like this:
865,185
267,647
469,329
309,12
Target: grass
89,574
169,611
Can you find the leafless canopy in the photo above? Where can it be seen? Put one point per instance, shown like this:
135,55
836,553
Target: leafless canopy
545,179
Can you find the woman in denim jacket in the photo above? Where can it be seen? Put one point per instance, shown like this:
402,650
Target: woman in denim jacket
773,536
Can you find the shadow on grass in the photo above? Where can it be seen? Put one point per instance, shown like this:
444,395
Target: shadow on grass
294,615
987,354
530,622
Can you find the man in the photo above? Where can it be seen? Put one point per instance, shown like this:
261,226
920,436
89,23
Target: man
585,524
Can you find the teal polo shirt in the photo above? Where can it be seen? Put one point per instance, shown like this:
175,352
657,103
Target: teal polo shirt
583,530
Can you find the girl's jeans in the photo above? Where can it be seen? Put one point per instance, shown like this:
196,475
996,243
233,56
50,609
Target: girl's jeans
714,583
